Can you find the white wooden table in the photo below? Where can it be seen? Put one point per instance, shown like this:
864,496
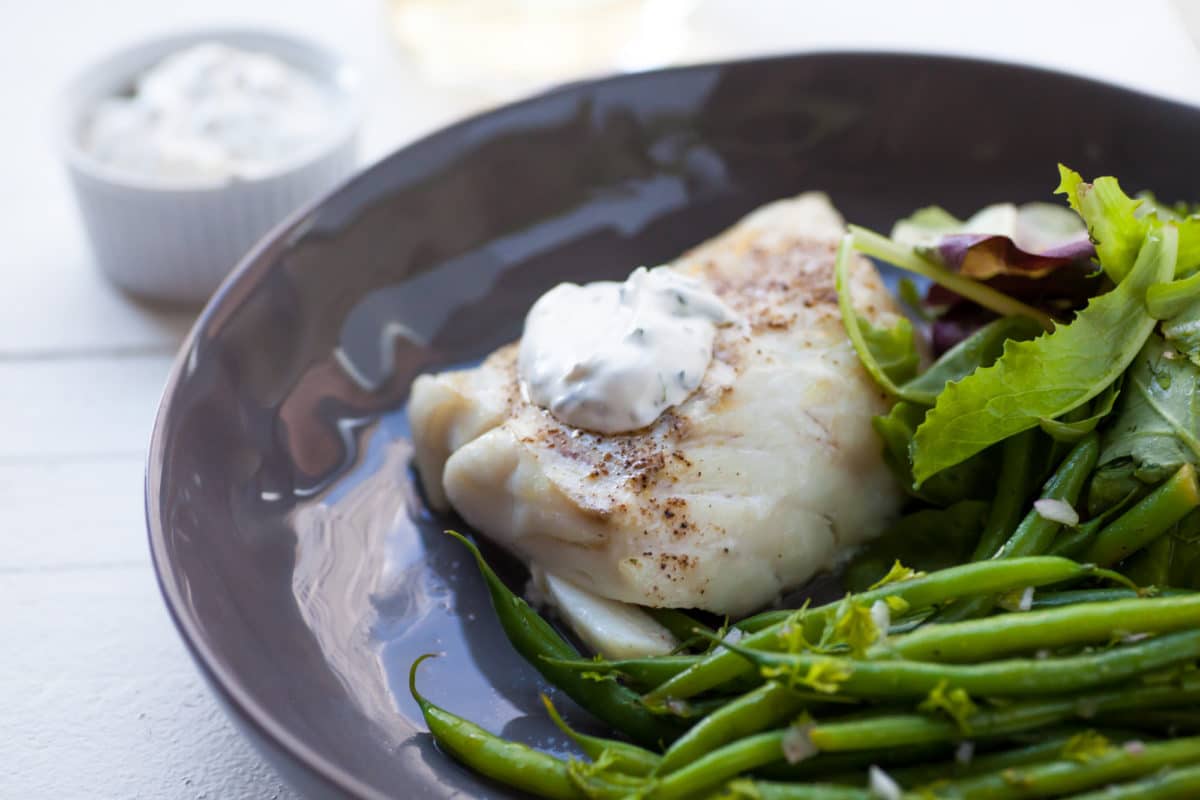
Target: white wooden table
97,697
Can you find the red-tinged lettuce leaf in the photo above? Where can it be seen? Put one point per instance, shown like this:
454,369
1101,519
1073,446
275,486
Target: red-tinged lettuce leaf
1061,293
983,256
1037,253
1031,241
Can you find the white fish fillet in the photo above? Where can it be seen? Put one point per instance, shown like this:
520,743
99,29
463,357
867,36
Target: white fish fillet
765,476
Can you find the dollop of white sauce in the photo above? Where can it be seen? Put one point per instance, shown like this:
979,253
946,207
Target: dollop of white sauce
209,113
611,357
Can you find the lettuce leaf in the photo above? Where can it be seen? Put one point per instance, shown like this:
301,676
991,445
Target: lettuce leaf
981,349
972,479
888,354
1046,377
1111,218
894,349
1183,331
1039,253
1069,431
1031,240
1117,223
1155,429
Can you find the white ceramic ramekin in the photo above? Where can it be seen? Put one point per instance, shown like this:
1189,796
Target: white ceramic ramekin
174,241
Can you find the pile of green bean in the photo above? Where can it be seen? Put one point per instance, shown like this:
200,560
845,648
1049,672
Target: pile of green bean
926,685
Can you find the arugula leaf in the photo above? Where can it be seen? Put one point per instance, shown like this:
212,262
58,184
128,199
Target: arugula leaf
894,349
1166,300
1156,428
888,354
1183,331
910,295
980,349
1111,217
971,479
1071,431
926,540
1117,222
1187,219
1069,183
1048,376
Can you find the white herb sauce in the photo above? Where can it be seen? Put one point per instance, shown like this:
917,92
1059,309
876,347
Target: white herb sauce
211,112
611,357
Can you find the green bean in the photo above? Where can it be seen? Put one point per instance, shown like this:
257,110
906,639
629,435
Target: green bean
719,766
1065,776
1072,543
1035,533
762,708
681,625
1152,566
1168,721
846,768
1059,447
768,618
510,763
1070,597
1181,783
766,790
764,619
1018,677
623,757
1147,520
646,673
985,577
1003,759
875,733
1084,623
535,639
1011,494
690,710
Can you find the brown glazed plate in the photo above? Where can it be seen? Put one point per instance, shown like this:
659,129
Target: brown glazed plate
289,535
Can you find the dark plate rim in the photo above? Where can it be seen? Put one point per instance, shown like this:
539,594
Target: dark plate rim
223,680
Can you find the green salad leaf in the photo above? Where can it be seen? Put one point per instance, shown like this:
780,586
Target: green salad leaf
1111,217
894,349
972,478
1155,428
980,349
888,354
1117,223
1183,331
1071,431
1187,219
1166,300
1046,377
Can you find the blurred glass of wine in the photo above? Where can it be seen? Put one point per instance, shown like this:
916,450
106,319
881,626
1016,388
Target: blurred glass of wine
509,46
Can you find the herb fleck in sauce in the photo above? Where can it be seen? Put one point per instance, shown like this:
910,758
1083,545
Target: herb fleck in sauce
611,357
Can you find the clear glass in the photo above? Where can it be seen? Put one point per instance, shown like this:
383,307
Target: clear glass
507,46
